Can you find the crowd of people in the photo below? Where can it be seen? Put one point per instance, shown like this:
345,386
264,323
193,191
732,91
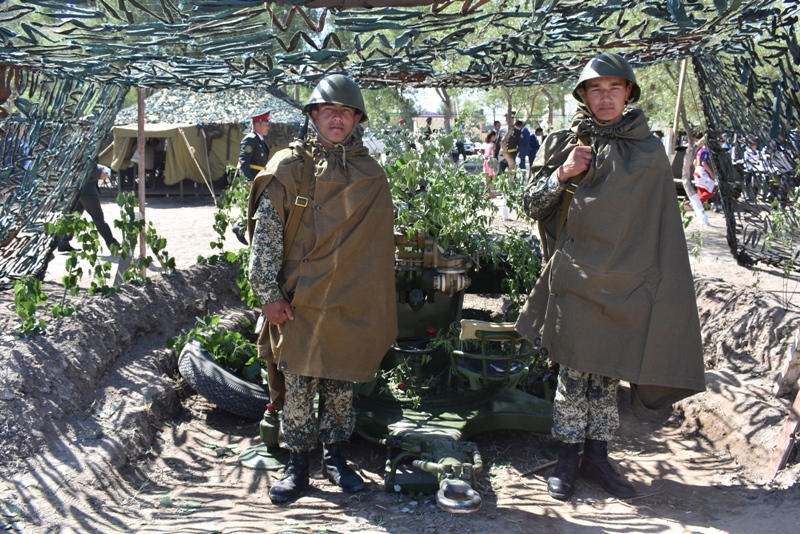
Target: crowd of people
767,170
516,150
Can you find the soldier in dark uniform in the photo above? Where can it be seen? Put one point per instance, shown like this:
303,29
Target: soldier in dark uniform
254,152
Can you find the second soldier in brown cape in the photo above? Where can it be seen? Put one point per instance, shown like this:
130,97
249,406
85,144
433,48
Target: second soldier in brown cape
329,299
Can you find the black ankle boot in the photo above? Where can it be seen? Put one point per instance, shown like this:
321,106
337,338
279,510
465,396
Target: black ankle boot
295,479
561,484
337,471
595,466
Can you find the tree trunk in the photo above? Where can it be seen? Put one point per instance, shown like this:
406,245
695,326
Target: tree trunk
448,110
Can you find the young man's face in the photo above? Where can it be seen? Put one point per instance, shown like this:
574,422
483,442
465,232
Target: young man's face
261,127
335,121
606,96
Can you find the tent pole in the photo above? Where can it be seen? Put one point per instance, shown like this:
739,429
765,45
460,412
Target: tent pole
141,169
208,165
678,104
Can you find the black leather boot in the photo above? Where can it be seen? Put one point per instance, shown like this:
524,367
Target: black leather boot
337,471
595,466
561,484
295,479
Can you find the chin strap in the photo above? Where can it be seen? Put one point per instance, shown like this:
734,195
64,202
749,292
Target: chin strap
334,145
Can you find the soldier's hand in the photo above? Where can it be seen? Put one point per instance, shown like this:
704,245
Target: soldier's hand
577,162
277,312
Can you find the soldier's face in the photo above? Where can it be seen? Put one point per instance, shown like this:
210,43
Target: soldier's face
335,121
261,127
606,97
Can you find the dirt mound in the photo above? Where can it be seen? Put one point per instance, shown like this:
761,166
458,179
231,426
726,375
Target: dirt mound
746,337
115,343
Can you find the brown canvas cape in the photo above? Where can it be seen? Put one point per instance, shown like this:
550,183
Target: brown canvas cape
617,296
340,268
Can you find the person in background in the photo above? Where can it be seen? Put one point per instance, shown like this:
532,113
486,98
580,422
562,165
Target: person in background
524,146
539,133
488,155
703,176
89,201
615,299
253,150
328,290
533,148
496,150
508,147
724,144
427,131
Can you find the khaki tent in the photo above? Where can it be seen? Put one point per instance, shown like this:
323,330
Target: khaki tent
202,130
183,159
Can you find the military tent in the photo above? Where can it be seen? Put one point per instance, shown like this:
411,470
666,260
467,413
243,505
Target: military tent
202,130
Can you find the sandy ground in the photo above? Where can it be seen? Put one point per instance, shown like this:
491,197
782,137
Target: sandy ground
100,436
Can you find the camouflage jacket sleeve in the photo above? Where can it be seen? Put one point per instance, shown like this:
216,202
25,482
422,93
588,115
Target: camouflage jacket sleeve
266,253
543,195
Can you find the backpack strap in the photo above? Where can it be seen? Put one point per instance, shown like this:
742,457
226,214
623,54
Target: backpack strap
300,203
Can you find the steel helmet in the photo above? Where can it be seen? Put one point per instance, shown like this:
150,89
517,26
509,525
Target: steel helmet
337,89
608,64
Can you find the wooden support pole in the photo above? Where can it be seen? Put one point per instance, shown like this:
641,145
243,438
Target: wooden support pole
678,104
142,164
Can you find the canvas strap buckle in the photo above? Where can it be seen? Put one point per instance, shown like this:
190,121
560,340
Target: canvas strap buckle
301,201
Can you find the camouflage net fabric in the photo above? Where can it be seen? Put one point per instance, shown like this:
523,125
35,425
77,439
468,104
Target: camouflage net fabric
66,66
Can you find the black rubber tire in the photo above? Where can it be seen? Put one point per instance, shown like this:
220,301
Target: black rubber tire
229,392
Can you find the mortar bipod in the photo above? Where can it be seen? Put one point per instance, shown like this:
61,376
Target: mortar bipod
456,476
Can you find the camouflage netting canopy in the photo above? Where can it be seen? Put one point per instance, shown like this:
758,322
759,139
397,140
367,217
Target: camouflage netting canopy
183,106
66,66
219,44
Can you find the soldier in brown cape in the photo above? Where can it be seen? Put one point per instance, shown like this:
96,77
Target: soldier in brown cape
615,299
328,291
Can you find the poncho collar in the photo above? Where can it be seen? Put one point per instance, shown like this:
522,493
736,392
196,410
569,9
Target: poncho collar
352,146
632,127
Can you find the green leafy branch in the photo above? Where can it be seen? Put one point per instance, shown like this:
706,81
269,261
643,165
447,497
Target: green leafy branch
235,195
28,297
232,350
131,224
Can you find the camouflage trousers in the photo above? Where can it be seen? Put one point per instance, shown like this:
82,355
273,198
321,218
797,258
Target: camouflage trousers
334,421
585,407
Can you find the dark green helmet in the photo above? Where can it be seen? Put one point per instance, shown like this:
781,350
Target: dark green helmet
337,89
608,64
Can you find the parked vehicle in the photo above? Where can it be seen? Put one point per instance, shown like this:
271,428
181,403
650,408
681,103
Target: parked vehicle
375,146
469,147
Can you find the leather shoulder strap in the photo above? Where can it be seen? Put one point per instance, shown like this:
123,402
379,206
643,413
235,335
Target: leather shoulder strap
300,202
